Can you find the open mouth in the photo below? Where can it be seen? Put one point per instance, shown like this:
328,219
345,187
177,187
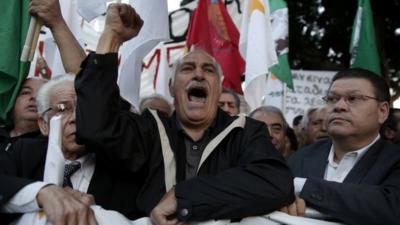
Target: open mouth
32,108
197,94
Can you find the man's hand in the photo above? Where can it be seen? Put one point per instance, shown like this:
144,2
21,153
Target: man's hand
48,11
164,212
123,21
122,24
66,206
297,208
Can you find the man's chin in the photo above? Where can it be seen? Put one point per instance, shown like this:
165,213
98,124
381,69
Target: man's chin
319,138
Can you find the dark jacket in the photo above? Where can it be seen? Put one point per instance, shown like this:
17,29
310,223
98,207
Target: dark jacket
6,141
25,164
370,193
244,175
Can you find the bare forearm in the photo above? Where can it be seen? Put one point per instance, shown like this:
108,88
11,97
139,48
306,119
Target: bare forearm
108,42
72,53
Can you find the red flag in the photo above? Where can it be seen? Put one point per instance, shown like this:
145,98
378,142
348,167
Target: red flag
212,29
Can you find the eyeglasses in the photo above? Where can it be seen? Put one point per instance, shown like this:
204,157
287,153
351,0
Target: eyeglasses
64,109
352,99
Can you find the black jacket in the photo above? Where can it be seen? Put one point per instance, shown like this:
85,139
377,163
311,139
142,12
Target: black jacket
244,176
111,189
370,193
6,141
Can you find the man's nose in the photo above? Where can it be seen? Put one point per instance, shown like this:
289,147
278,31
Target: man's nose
324,125
72,115
269,131
341,105
32,97
199,73
224,106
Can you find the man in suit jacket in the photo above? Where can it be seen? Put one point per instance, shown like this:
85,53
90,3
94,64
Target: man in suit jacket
22,168
355,176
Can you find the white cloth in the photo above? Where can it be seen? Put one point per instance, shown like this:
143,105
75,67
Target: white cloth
298,183
257,47
155,29
164,73
24,200
90,9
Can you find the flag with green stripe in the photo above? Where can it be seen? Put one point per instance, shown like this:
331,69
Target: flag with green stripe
363,48
14,24
280,29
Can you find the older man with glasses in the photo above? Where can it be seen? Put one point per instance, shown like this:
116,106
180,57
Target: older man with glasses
22,188
355,176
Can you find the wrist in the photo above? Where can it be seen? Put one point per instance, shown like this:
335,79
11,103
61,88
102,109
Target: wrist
58,25
43,192
109,42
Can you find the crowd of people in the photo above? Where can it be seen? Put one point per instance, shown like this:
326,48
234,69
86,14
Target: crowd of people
200,158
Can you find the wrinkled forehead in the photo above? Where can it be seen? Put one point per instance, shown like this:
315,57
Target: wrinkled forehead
63,92
227,97
198,56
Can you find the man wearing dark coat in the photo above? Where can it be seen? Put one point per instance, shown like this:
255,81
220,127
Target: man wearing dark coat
202,164
355,176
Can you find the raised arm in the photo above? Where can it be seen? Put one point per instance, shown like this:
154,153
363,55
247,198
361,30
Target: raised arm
72,54
100,119
122,24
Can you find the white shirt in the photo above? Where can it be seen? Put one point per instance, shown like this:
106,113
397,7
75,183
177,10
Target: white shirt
337,171
25,199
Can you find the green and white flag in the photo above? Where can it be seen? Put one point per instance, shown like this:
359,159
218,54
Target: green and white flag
280,73
14,24
280,32
264,46
363,49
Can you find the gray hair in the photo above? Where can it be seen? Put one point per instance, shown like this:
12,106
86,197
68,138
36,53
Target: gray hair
153,96
306,118
234,95
43,95
270,109
179,62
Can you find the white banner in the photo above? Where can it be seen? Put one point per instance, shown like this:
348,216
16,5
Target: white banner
309,88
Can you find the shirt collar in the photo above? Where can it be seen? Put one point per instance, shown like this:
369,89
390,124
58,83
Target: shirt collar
357,153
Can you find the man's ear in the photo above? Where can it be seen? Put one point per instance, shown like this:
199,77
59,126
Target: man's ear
383,112
43,126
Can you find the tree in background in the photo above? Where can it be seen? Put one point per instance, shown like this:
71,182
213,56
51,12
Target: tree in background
320,33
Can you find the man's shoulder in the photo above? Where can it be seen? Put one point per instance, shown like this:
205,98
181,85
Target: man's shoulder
4,133
34,145
389,151
311,150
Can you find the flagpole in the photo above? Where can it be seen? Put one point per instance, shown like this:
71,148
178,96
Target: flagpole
35,40
31,40
28,40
